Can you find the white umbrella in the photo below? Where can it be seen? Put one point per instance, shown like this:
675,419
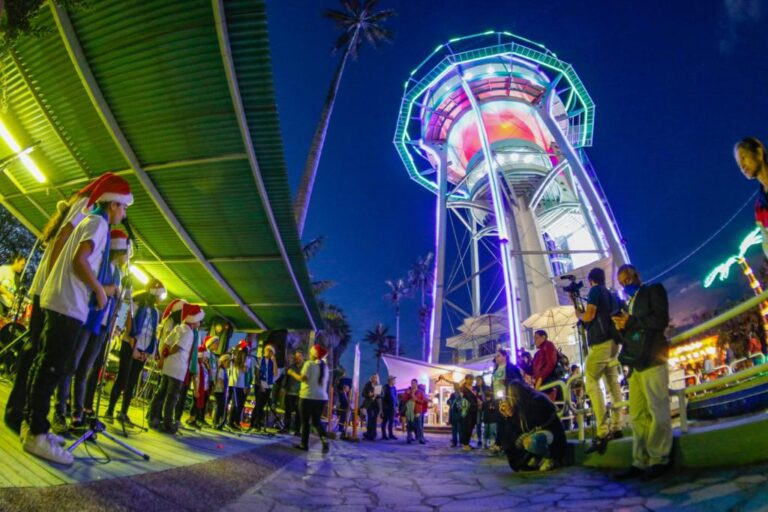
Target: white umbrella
558,321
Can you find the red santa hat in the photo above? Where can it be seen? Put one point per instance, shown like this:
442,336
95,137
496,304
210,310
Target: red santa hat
111,188
172,307
320,350
118,240
192,313
88,189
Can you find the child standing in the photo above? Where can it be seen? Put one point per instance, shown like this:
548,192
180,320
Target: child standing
179,343
73,287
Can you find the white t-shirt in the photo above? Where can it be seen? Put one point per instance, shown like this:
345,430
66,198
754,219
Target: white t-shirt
64,292
237,376
74,216
177,364
311,388
7,281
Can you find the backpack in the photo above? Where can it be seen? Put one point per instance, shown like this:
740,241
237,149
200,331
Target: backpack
561,368
601,328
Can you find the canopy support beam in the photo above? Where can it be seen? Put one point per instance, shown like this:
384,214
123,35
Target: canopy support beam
237,102
91,86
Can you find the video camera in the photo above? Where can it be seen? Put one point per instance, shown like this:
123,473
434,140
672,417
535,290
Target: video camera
574,287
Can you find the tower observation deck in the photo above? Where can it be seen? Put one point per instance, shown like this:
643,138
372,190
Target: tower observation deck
496,127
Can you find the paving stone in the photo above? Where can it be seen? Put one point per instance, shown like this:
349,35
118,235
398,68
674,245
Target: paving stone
752,479
681,488
455,490
496,503
656,503
438,502
630,501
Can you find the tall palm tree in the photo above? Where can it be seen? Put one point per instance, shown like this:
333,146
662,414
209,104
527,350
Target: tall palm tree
358,21
421,277
398,290
381,340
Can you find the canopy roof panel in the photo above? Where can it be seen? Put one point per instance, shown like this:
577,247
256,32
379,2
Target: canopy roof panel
178,98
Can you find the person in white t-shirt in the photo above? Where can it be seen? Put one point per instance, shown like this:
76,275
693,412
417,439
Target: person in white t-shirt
71,290
139,344
313,395
181,344
55,234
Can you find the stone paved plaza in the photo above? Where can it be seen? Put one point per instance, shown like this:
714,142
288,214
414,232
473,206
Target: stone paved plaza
390,475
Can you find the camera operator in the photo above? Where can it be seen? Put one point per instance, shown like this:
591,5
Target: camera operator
644,350
602,362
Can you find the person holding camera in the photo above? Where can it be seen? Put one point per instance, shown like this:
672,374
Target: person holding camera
644,351
602,362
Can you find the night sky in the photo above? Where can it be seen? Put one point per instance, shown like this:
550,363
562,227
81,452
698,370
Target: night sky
675,85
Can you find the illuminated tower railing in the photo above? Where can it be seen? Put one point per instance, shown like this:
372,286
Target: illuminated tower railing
496,125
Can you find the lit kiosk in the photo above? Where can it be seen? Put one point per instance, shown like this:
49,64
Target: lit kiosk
495,126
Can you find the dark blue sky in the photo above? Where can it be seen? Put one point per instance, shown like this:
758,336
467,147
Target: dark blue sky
675,85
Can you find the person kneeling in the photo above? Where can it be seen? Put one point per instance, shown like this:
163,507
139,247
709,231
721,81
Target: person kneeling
533,433
180,343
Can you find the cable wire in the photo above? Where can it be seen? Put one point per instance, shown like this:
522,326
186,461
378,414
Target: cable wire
711,237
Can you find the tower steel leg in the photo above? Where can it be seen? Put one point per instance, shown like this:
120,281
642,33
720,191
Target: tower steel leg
510,279
438,286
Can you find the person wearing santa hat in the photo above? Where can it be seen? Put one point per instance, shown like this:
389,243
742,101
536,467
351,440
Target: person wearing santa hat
73,288
55,234
92,337
202,380
313,395
139,344
181,343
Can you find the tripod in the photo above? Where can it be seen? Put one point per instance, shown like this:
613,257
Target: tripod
96,426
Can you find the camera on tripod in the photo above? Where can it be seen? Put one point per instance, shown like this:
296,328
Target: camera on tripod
574,287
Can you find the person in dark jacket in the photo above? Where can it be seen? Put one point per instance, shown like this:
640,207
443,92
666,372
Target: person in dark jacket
533,433
371,404
388,408
468,412
644,351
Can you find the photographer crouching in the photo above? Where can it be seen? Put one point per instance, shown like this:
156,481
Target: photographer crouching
534,438
644,351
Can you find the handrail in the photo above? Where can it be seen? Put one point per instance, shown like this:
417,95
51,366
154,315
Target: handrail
728,379
721,318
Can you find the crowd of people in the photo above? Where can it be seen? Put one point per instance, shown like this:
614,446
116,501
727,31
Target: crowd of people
79,287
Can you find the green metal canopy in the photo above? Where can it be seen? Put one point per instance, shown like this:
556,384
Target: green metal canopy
177,97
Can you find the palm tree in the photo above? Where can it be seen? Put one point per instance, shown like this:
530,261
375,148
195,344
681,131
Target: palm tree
357,21
337,333
381,340
398,290
421,277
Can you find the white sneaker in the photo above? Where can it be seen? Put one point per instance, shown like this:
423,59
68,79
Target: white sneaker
56,439
44,447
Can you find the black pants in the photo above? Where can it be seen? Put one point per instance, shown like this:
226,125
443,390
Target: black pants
94,350
218,417
236,412
388,421
165,400
260,401
292,409
468,425
65,383
53,361
17,400
311,411
372,413
127,378
93,375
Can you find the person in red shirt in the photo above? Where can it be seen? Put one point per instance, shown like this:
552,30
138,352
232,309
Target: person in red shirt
544,363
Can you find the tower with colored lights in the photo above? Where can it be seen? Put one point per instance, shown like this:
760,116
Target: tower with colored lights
496,127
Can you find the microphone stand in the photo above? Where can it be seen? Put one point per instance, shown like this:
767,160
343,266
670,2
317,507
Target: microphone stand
97,426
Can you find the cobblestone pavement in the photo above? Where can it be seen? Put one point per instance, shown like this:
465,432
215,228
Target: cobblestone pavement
390,475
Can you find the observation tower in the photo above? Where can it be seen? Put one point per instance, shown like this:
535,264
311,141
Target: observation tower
496,127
